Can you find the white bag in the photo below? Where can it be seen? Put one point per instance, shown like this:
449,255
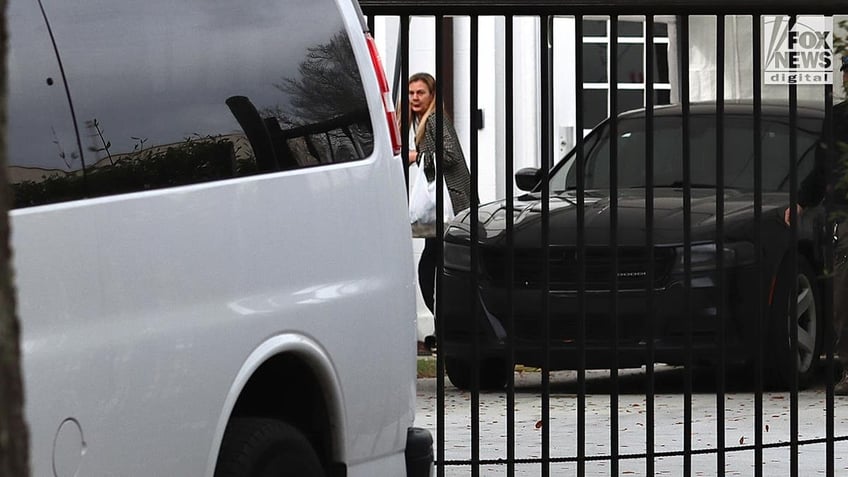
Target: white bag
422,205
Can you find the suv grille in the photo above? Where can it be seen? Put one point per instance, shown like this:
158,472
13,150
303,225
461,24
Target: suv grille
632,273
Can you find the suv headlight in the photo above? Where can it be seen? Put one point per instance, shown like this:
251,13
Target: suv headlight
704,257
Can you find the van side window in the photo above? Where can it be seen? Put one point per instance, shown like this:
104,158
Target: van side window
189,104
41,139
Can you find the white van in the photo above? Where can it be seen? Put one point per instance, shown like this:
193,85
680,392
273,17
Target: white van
210,241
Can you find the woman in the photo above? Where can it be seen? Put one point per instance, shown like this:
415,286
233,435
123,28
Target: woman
422,109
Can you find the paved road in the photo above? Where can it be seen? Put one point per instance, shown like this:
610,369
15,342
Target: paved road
631,410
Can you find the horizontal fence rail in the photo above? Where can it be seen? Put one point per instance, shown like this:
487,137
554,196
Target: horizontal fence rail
600,7
652,240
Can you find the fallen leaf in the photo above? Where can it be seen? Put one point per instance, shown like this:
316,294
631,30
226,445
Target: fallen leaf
741,440
539,424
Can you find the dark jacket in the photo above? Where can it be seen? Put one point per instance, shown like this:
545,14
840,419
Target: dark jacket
451,160
829,171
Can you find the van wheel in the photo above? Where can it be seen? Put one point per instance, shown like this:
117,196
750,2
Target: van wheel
807,321
257,447
494,373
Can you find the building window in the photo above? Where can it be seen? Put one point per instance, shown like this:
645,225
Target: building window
631,66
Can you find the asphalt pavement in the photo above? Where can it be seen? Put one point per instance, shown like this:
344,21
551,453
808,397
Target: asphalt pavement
738,425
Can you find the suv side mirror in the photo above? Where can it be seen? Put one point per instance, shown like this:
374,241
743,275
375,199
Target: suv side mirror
527,178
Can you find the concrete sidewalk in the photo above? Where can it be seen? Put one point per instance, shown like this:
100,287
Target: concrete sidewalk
738,424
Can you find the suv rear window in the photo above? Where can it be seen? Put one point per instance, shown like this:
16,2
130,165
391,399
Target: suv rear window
202,92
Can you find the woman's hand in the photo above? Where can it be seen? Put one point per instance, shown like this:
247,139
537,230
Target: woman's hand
413,156
786,214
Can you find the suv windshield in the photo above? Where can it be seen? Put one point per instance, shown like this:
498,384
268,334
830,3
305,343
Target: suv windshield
668,155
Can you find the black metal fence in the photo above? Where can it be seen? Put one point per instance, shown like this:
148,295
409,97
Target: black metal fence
668,236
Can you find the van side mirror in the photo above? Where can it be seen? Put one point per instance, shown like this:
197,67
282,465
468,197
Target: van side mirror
528,178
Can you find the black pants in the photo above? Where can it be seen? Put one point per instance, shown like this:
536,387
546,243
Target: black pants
427,273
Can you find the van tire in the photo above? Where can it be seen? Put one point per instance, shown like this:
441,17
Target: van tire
259,447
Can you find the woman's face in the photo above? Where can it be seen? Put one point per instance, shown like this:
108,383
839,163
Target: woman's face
420,97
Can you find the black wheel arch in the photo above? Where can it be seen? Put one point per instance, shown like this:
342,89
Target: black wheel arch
287,388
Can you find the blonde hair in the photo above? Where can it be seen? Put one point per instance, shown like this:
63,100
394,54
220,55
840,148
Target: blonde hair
428,80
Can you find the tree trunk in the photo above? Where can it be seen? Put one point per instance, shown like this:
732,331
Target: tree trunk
14,438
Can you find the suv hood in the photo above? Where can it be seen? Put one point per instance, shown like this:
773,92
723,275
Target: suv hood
668,217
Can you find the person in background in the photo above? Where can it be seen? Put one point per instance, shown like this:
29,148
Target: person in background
812,192
424,118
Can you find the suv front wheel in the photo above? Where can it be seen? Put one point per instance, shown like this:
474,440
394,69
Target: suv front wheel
806,321
493,373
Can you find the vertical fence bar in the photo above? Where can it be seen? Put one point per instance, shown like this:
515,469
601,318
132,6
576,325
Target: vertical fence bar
720,304
440,332
404,96
510,239
758,246
546,77
829,334
475,251
687,243
649,245
793,256
581,248
613,101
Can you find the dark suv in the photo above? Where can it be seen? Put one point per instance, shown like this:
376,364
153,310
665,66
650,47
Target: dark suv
732,280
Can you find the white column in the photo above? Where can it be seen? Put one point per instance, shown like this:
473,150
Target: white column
564,86
526,98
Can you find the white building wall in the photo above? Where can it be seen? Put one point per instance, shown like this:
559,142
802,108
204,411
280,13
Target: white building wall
526,95
739,69
739,74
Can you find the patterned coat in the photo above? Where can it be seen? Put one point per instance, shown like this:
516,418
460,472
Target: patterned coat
455,170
